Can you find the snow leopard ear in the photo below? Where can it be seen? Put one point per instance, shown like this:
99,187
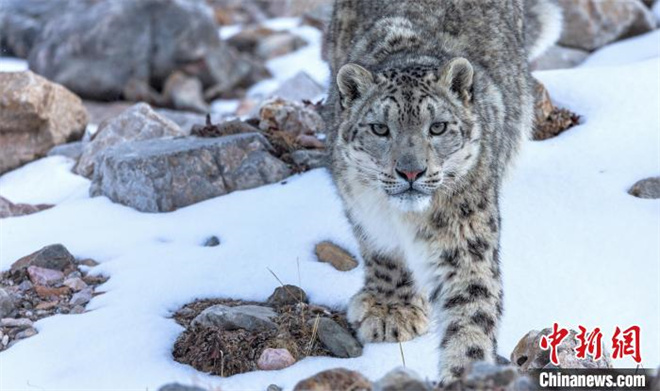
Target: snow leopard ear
458,75
353,82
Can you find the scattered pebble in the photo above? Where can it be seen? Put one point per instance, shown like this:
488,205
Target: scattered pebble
646,188
18,323
287,295
274,359
81,298
336,256
212,241
337,339
273,387
42,276
334,379
248,317
75,283
27,333
7,306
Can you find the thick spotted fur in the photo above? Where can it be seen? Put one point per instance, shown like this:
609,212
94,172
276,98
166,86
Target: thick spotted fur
431,101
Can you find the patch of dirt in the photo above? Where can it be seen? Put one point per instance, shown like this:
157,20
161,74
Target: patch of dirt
557,122
225,353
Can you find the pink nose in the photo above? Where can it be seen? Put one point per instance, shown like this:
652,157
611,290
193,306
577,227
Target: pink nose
410,176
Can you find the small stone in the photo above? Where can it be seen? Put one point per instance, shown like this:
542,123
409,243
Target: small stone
298,88
528,354
77,310
185,92
482,375
278,44
274,359
179,387
25,286
335,379
249,317
7,306
88,262
46,305
400,379
273,387
287,295
54,256
27,333
9,209
293,117
75,283
309,141
336,256
81,298
212,241
16,322
5,340
310,159
47,292
337,339
42,276
646,188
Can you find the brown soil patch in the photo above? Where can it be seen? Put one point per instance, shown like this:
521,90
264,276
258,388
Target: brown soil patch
226,353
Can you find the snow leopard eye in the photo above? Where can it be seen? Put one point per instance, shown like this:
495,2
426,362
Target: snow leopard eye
438,128
380,129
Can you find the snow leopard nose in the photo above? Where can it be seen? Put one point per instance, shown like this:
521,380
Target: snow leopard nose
410,176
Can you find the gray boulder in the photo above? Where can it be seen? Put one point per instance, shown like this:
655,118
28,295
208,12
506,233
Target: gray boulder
249,317
337,339
591,24
646,188
137,123
165,174
54,256
96,47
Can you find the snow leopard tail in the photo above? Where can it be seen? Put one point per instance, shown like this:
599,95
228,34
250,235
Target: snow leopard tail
543,24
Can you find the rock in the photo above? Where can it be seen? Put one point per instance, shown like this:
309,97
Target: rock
25,285
137,123
310,158
9,209
543,106
291,8
81,298
88,262
528,354
287,295
54,256
249,317
309,141
273,387
298,88
46,305
228,71
77,310
185,92
224,128
71,150
47,292
335,379
247,39
163,175
186,119
179,387
646,188
228,12
339,258
318,17
5,340
212,241
27,333
293,117
7,304
42,276
75,283
337,339
591,24
481,375
278,44
400,379
164,35
35,115
20,323
274,359
559,57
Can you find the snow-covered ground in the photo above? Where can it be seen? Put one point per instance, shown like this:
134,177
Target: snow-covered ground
577,249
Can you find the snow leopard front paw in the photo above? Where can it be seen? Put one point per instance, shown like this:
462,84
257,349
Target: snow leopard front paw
376,321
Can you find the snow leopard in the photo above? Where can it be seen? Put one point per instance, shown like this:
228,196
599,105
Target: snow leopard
429,103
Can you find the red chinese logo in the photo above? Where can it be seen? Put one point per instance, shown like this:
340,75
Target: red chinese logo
626,343
552,341
589,343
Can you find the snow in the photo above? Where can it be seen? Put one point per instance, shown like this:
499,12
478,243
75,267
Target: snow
577,249
12,64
